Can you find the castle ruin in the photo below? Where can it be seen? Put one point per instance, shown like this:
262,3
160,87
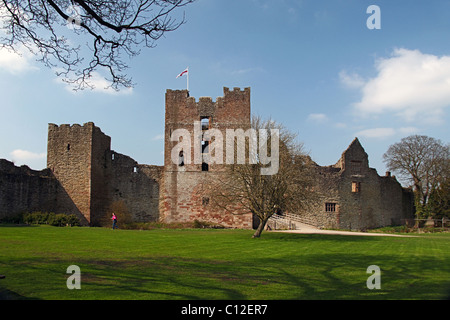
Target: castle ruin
85,177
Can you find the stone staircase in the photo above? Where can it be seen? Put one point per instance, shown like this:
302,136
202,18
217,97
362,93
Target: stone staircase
289,221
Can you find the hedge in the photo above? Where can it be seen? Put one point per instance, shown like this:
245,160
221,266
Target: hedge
59,220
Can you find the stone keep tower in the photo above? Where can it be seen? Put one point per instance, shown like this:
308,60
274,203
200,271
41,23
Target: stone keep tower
185,173
77,156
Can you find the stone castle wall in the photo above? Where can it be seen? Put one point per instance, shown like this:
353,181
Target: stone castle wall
351,195
85,177
23,189
137,185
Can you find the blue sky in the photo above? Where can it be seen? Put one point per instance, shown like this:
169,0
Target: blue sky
313,66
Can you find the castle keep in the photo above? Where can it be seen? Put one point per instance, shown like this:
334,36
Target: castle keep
85,177
184,180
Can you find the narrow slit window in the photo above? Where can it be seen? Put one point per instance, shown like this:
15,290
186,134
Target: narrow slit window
330,207
68,147
204,121
205,146
356,186
181,158
205,166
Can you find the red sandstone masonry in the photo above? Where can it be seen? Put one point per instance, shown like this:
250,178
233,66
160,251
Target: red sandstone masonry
85,176
182,186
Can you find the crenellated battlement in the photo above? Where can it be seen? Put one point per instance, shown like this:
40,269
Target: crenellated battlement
236,91
88,127
232,107
183,95
68,126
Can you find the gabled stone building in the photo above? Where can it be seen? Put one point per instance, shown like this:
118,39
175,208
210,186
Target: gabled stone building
351,195
85,177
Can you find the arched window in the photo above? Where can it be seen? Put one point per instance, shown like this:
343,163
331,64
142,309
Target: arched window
181,158
204,121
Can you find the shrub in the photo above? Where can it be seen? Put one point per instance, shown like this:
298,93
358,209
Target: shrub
59,220
36,217
73,221
50,218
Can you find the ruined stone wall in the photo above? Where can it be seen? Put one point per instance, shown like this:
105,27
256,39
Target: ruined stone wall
182,186
325,190
367,199
25,190
85,177
359,203
408,206
185,191
92,176
100,175
351,195
361,209
136,185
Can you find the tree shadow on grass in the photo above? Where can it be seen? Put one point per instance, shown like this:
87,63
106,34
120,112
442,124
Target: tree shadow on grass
161,278
6,294
344,276
283,274
321,276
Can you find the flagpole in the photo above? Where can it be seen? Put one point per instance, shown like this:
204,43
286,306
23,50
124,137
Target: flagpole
187,79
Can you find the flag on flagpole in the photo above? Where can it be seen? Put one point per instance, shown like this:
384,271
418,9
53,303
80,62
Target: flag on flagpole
185,71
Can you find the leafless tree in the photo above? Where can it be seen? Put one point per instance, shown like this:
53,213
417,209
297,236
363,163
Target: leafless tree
244,189
77,37
421,161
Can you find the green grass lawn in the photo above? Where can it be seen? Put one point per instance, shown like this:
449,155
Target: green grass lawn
218,264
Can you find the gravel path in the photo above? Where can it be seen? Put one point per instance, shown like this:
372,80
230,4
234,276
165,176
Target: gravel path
307,229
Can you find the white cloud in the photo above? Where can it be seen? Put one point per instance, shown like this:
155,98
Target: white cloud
376,133
33,160
99,84
317,117
352,81
16,63
409,84
24,155
382,133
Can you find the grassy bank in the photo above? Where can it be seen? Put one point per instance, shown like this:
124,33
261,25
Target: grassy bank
218,264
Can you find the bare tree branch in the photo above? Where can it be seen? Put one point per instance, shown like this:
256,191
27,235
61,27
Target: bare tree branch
420,161
244,189
115,29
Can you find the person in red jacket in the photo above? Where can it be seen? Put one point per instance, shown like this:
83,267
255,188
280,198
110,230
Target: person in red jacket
114,219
